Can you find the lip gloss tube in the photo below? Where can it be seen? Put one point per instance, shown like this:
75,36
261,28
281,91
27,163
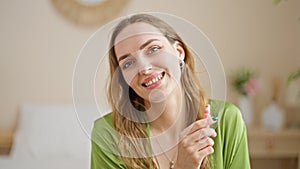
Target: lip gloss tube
207,111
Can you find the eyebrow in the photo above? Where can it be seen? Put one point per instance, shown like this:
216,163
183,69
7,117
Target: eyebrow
141,47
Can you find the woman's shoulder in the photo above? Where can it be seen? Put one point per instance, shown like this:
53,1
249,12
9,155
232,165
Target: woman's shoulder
224,109
231,141
104,120
104,141
103,133
103,128
230,118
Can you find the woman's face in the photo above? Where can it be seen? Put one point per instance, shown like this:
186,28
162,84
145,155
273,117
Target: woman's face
148,61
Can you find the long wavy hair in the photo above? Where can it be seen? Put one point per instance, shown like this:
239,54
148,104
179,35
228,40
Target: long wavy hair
127,104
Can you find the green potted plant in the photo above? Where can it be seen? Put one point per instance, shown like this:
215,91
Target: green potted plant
245,83
293,89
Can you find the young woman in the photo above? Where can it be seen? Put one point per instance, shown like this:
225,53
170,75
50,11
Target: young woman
158,115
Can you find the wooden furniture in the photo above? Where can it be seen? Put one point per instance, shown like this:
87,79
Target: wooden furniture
284,144
6,139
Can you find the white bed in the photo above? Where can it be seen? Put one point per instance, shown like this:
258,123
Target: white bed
48,136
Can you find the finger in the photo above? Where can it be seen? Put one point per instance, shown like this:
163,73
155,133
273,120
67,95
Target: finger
200,134
205,132
198,152
197,125
205,152
194,127
203,143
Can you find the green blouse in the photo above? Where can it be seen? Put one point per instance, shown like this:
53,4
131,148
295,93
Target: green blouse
230,148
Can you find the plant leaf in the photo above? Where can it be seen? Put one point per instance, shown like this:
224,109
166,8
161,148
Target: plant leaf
276,2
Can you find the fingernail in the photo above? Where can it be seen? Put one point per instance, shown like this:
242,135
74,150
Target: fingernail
215,118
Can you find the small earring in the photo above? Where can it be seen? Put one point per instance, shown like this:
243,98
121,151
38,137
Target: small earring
181,64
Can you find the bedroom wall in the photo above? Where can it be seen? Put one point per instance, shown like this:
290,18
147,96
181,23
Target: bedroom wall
298,29
39,47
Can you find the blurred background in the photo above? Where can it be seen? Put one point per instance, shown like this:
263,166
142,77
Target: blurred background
40,41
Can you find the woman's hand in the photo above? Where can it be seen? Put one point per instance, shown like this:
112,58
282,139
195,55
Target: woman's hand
195,144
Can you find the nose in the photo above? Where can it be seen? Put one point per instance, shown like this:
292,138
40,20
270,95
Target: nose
146,70
144,65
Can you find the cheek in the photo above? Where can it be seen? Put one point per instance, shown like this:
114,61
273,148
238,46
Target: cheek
133,82
171,63
130,76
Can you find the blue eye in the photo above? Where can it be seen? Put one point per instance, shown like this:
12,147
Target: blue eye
152,50
127,64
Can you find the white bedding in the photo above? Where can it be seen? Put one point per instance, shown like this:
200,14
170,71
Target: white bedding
8,163
49,136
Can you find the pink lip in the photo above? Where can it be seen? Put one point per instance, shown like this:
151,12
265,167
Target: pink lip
150,77
152,86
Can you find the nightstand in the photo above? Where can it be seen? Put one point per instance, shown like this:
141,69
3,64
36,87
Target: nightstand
283,144
6,140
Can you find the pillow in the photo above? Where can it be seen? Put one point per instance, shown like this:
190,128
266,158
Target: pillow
50,131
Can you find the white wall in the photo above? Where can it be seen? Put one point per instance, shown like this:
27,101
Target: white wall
39,47
298,29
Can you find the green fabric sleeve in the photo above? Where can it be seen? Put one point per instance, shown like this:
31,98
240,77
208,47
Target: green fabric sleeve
103,153
231,148
104,159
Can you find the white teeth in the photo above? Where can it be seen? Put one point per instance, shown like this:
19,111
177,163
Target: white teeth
154,80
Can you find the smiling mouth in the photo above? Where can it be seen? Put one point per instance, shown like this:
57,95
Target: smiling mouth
154,80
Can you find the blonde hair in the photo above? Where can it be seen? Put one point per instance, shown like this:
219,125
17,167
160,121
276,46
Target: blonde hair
121,96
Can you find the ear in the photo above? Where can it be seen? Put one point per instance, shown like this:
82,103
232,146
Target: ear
180,50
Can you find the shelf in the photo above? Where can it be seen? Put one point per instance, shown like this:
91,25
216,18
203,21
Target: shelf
274,144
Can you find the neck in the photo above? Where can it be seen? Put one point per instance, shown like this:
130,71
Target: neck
168,115
167,120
